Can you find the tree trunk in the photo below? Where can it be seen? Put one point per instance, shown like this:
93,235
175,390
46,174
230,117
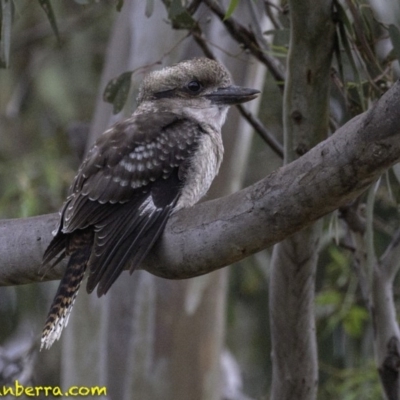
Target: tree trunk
294,261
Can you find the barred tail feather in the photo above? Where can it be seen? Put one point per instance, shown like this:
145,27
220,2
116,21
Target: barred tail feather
66,294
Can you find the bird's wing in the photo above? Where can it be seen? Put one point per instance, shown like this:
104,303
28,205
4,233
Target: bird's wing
126,189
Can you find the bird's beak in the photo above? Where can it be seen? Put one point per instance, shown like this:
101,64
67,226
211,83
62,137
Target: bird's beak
232,95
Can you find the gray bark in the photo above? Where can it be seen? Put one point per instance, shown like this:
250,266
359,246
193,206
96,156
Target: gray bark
294,261
293,336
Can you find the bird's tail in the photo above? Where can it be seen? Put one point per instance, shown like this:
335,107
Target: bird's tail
79,247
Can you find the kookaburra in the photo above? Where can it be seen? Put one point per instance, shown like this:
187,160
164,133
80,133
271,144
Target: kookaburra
140,171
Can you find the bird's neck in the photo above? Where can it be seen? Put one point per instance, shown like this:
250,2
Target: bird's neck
207,115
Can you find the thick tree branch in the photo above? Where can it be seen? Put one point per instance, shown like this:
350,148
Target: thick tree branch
214,234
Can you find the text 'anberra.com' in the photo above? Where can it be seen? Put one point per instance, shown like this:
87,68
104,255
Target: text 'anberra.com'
19,390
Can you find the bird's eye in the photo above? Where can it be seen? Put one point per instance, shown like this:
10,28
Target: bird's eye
194,86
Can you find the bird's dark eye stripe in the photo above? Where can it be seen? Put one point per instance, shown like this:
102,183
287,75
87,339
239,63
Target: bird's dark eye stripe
165,94
194,86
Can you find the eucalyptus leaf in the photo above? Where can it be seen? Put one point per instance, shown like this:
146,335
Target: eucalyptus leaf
342,16
117,90
179,16
231,8
175,8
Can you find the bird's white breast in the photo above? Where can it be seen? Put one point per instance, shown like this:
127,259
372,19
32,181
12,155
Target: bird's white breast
204,166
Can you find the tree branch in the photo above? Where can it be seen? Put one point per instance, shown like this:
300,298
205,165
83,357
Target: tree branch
390,260
217,233
263,132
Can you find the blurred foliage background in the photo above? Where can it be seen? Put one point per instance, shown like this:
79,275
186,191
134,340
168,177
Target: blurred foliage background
47,97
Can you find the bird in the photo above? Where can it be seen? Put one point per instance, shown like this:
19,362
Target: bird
139,172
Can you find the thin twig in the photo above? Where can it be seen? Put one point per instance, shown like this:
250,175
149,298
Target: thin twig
361,267
256,25
248,40
192,8
275,21
258,126
199,39
390,260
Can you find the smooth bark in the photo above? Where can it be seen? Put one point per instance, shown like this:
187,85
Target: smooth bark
294,261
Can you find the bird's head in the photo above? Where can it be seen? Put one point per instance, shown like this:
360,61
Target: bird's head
199,83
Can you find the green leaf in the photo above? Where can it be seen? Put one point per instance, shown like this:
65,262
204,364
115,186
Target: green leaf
5,38
48,9
179,16
343,18
117,90
329,297
231,8
339,257
175,8
394,34
354,321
